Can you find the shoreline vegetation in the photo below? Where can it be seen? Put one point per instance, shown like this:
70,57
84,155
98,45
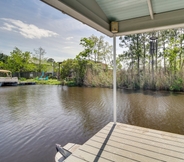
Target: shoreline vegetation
145,63
46,82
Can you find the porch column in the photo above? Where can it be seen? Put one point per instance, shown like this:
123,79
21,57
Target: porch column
114,79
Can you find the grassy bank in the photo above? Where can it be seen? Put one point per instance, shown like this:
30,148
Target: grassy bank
48,82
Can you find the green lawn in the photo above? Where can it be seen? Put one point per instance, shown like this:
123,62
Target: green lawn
49,81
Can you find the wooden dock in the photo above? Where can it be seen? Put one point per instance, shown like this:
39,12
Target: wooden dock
127,143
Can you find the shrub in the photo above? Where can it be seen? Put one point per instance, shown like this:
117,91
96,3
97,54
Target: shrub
177,85
71,83
22,79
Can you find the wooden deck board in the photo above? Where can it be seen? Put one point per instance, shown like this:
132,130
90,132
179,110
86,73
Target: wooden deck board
74,159
133,139
122,142
150,136
123,152
86,156
107,154
147,139
144,151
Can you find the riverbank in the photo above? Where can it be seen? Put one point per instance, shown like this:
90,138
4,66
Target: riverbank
48,82
97,81
51,82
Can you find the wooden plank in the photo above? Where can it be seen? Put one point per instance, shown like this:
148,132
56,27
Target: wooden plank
157,133
75,147
126,154
73,159
88,156
130,143
138,149
134,138
154,133
69,146
112,156
160,139
152,138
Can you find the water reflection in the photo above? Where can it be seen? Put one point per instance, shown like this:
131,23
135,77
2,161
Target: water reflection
34,118
87,106
156,110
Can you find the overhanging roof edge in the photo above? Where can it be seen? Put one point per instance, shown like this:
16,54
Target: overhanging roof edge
150,29
71,12
161,21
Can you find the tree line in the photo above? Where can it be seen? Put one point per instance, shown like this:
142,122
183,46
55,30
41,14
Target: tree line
19,61
148,61
161,69
96,52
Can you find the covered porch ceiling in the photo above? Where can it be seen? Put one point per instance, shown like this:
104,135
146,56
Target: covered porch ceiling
133,16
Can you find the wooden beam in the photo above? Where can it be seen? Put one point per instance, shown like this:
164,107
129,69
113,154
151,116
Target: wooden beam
150,9
162,21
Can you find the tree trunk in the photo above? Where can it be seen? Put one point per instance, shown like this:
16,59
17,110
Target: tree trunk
144,57
180,62
138,60
164,58
156,57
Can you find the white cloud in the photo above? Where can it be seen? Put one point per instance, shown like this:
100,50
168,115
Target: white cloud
8,27
69,42
69,38
67,47
27,30
68,25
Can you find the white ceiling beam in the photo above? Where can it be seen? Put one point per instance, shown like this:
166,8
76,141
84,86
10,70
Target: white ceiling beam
162,21
150,9
150,29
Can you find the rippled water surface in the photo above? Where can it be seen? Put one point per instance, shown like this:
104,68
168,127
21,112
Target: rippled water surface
34,118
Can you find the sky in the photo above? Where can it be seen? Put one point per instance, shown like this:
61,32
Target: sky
30,24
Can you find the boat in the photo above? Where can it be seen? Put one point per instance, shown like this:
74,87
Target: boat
7,79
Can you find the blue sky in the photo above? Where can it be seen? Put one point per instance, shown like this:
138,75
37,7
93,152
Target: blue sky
30,24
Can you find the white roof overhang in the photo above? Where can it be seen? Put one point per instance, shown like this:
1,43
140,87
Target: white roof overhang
132,16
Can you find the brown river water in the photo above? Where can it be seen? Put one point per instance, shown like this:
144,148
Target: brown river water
34,118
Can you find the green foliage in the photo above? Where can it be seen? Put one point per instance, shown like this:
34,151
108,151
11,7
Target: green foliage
96,49
88,45
161,70
74,69
95,52
81,65
39,59
19,61
50,60
172,53
48,82
67,68
1,65
22,79
97,75
71,83
136,67
3,58
177,85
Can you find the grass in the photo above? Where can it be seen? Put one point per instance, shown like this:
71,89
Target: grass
48,82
